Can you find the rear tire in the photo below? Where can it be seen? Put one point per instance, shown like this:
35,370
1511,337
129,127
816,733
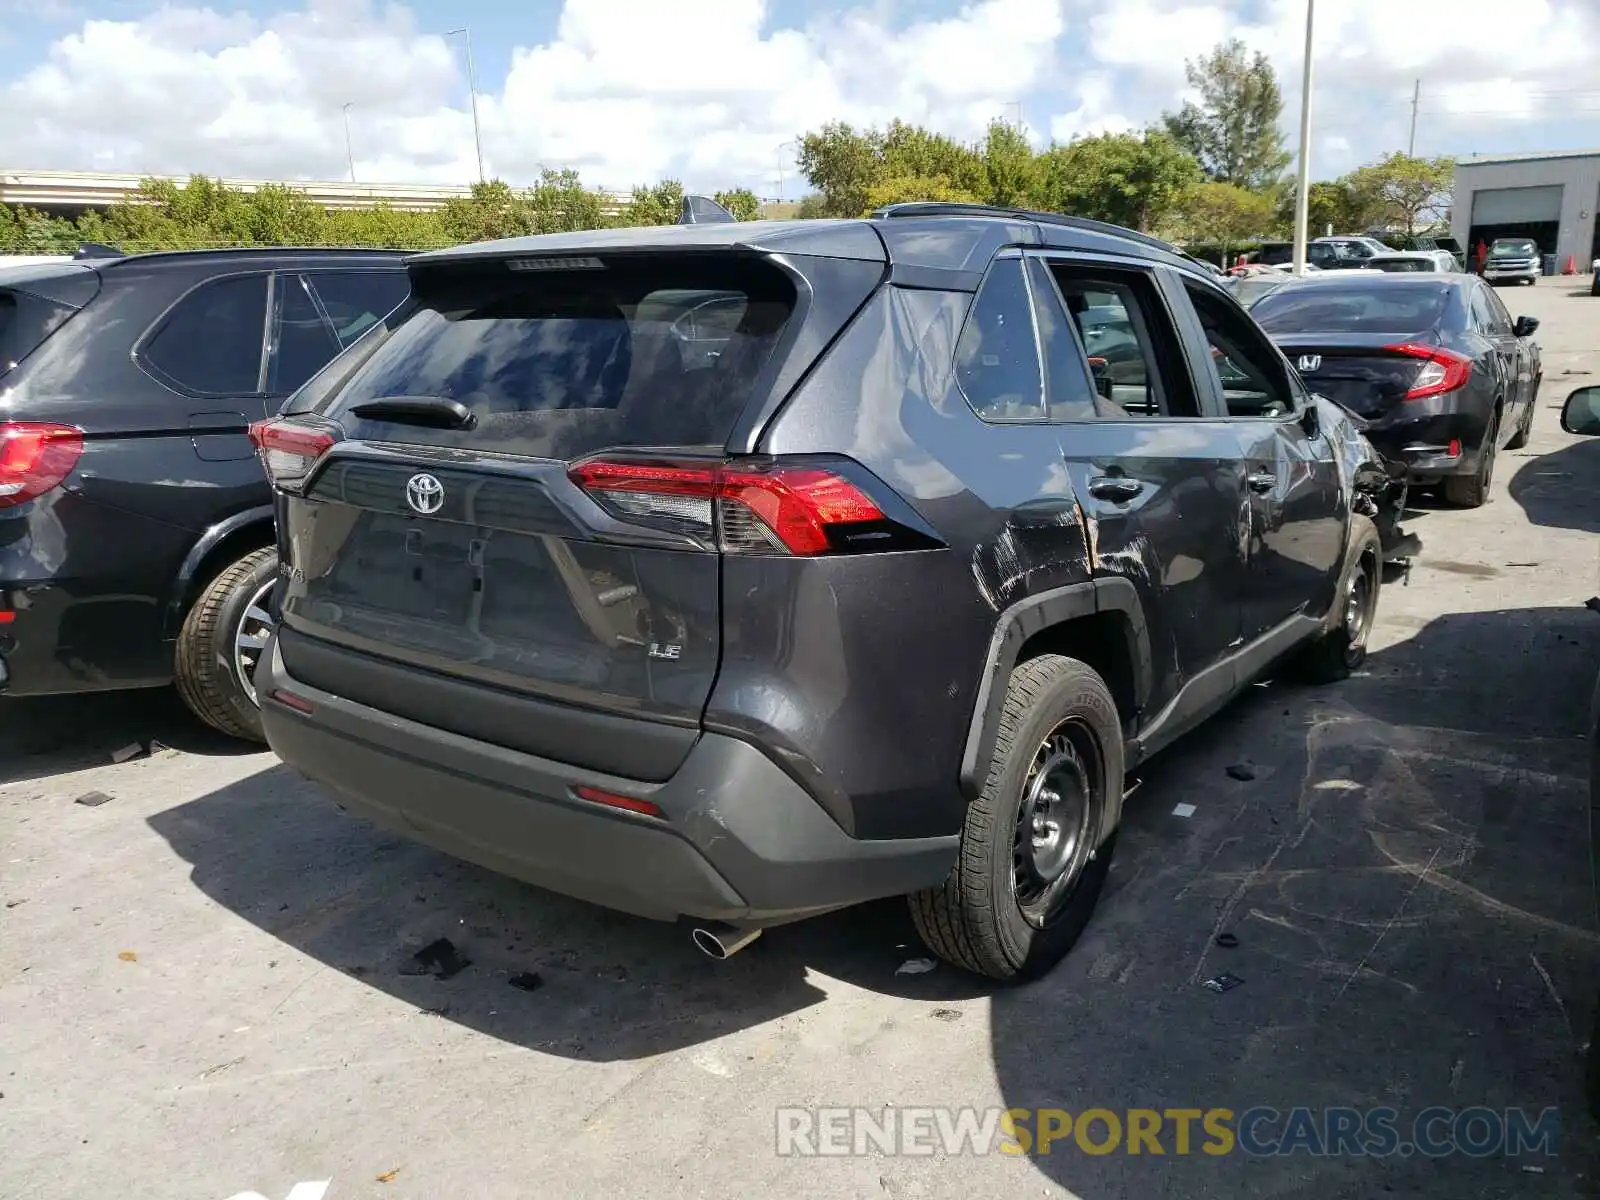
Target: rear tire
211,678
1337,653
1472,491
1032,859
1519,439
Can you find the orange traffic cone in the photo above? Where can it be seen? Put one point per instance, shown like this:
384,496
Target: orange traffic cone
1571,268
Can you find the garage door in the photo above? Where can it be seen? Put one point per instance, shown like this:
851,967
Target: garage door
1516,206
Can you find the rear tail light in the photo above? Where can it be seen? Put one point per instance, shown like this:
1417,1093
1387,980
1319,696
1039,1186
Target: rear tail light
1442,370
289,449
766,508
35,458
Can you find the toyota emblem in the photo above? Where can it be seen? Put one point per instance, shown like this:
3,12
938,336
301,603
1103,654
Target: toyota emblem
425,494
1310,362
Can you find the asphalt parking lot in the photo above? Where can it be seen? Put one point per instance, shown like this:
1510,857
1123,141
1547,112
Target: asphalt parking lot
206,982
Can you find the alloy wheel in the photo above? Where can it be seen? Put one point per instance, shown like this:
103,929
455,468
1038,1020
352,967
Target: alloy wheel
250,640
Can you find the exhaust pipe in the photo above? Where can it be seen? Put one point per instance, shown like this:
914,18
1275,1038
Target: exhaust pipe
723,941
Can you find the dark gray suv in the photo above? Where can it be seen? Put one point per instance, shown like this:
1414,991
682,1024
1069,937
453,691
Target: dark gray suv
740,572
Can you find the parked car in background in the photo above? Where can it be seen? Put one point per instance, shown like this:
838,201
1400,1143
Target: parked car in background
1430,261
1343,253
1513,260
1250,288
136,537
1441,372
703,635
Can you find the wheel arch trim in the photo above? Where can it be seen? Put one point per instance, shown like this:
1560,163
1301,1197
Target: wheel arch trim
189,570
1021,621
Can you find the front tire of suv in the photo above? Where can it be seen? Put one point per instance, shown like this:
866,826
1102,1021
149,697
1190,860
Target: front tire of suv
1032,859
1337,653
219,646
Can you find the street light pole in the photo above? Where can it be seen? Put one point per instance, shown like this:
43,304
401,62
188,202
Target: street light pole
348,153
1302,197
782,146
472,82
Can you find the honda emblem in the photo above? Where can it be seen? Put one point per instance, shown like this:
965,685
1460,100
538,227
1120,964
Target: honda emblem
1309,362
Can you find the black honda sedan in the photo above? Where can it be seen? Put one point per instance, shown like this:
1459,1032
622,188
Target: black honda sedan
1442,373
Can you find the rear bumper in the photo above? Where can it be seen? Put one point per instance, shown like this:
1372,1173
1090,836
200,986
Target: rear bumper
741,841
58,640
1418,434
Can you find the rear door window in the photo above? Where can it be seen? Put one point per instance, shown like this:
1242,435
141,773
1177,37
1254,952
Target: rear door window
562,363
1124,330
210,343
302,339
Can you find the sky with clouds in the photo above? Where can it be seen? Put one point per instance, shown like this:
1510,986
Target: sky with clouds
631,91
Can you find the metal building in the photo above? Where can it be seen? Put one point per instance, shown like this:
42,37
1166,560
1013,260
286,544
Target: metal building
1549,197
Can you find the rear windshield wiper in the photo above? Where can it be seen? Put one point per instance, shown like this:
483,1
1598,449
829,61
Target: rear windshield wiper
433,411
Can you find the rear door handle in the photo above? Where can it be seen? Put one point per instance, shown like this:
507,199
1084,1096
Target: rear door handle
1262,481
1044,513
1115,487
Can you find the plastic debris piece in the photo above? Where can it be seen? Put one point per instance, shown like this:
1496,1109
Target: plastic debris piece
1222,983
438,958
1242,771
131,750
128,956
946,1014
92,799
1184,810
916,966
527,981
1227,940
389,1175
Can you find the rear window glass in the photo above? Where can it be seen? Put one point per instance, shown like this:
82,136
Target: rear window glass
1342,308
25,322
558,364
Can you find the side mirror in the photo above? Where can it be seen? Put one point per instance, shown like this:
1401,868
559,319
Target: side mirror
1581,412
1525,326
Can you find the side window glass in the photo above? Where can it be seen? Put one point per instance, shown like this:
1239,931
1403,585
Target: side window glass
302,342
1498,313
1250,371
211,342
997,357
1069,388
355,301
1482,320
1118,320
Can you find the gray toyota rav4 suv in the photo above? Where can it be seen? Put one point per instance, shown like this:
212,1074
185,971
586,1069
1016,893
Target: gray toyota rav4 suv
740,572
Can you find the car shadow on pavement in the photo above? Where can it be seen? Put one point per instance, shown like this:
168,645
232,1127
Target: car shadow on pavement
1406,874
51,735
1558,490
274,850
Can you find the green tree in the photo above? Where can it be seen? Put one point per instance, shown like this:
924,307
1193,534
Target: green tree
1233,129
1401,190
1012,171
1226,213
559,203
912,152
902,189
741,202
841,165
661,204
1136,180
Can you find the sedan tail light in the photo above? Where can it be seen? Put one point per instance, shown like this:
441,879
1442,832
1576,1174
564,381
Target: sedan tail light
35,458
761,508
1442,370
289,449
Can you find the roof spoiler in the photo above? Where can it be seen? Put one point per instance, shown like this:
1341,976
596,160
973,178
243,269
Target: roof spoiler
702,210
97,250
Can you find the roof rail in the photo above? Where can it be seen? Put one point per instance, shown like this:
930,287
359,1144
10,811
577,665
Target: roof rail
949,208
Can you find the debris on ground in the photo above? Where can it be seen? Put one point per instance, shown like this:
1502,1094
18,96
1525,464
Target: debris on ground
128,956
527,981
916,966
1222,983
438,958
92,799
389,1175
1227,940
946,1014
131,750
14,903
1243,771
1184,810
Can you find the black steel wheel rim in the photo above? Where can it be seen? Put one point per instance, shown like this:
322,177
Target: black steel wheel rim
1358,606
1057,818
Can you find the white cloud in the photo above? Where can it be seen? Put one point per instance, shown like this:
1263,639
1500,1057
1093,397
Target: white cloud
627,91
